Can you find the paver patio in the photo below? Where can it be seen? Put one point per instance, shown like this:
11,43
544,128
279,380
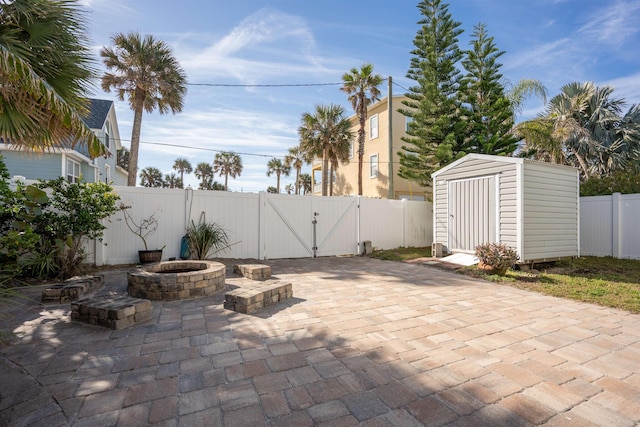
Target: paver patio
362,342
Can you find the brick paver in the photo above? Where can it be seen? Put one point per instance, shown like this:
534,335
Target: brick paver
363,342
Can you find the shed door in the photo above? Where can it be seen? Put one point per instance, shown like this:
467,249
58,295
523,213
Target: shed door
472,213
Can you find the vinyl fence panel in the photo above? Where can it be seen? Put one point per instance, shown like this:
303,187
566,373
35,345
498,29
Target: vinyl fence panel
609,226
265,225
237,213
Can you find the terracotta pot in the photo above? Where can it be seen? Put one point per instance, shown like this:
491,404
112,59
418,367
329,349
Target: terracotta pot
491,270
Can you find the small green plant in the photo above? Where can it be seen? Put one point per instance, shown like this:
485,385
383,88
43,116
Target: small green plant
205,239
497,256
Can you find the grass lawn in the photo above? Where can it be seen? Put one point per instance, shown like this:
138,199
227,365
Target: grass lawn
400,254
605,281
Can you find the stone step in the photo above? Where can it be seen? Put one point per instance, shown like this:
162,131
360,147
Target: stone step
111,311
71,289
253,271
249,298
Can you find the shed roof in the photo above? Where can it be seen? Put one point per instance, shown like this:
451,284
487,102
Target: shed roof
98,112
490,158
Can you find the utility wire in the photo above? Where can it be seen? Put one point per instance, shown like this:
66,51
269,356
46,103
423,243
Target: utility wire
271,85
400,86
263,85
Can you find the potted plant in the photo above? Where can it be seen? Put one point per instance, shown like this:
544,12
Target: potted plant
496,258
205,239
143,229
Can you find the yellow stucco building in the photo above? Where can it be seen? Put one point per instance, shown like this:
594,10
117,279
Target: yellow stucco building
375,166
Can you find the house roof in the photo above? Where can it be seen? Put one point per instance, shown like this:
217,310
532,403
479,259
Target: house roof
98,112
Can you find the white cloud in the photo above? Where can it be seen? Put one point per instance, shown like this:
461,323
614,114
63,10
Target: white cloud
627,87
266,44
612,25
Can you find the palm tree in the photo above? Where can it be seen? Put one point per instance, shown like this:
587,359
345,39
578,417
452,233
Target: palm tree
583,126
522,90
46,71
227,163
340,152
296,159
151,177
204,172
289,188
305,183
146,73
171,180
362,87
183,166
276,166
319,131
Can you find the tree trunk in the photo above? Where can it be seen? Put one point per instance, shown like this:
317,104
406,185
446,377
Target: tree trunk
363,119
582,163
135,139
297,181
226,180
331,180
278,177
325,169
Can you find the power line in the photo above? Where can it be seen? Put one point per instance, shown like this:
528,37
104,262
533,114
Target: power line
264,85
271,85
221,151
400,86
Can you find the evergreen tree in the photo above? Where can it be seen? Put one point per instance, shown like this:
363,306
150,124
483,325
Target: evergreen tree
490,112
435,134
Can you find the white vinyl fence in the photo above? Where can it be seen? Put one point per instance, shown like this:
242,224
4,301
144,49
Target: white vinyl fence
610,226
266,226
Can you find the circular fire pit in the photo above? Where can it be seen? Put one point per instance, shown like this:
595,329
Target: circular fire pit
173,280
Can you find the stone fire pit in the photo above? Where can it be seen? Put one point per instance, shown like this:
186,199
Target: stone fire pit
174,280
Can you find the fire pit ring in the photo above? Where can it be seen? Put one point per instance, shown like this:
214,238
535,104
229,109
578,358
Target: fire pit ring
175,280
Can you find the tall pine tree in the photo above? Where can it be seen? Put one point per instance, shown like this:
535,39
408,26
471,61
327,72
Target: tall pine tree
490,112
436,131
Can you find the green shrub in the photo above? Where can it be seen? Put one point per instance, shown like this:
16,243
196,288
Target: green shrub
206,237
498,256
44,226
625,182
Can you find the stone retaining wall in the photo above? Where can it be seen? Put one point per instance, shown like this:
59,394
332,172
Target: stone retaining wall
249,298
111,311
71,289
155,283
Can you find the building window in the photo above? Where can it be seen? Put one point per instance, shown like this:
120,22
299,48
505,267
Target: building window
73,171
407,120
373,127
107,174
107,131
373,166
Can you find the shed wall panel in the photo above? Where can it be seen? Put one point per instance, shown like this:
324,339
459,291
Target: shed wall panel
550,212
507,196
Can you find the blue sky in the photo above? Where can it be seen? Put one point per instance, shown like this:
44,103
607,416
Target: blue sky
294,42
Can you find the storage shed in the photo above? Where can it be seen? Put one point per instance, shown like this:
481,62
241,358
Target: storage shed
530,206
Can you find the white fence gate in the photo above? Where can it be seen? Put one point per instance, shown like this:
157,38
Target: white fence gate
263,226
609,226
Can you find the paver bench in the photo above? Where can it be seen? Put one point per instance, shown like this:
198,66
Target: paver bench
71,289
111,311
249,298
253,271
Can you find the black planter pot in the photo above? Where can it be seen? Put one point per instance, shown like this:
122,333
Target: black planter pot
147,257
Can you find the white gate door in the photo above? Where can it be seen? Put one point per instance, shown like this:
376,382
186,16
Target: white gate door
337,225
472,213
288,226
